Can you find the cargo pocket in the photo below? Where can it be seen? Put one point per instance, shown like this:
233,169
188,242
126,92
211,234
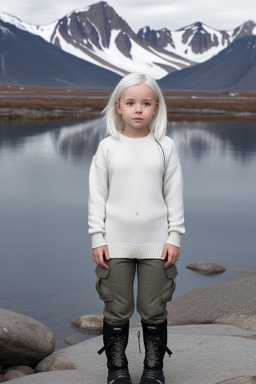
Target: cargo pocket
103,285
169,283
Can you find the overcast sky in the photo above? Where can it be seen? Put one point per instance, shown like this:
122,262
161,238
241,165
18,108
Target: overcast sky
172,14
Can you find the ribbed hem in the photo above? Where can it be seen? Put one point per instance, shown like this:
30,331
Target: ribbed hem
134,251
98,240
174,239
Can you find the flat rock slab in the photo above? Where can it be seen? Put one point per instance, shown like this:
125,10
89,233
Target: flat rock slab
233,303
240,380
23,340
201,354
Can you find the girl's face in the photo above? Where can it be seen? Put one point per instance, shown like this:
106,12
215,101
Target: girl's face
138,107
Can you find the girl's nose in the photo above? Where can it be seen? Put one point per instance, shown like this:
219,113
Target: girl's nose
138,108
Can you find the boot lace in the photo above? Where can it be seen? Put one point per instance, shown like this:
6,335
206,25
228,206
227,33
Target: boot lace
152,344
118,352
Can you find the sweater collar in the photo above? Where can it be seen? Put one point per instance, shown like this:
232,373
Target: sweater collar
137,139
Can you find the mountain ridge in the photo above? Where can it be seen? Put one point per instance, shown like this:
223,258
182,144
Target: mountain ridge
217,74
96,34
27,59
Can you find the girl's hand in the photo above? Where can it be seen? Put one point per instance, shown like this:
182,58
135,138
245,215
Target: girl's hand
170,254
100,254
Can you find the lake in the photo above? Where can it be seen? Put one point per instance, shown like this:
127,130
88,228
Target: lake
47,270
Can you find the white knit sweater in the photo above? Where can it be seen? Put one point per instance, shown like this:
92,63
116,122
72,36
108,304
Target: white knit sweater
136,197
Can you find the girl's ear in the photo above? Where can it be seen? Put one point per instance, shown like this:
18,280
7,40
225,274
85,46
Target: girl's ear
118,107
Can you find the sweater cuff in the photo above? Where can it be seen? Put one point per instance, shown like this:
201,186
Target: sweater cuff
98,240
174,239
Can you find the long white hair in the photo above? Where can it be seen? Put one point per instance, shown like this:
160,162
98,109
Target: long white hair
114,121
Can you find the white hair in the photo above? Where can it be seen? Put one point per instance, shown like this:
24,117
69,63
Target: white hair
114,121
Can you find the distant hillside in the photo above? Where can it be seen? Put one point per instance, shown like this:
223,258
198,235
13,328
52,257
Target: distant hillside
234,68
30,60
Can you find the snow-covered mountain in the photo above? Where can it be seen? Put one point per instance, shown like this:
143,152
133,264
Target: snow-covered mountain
27,59
234,68
98,35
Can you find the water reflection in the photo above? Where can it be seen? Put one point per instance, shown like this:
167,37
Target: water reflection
81,141
202,138
73,141
77,141
46,267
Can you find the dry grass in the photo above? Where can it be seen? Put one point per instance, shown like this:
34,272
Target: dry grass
30,103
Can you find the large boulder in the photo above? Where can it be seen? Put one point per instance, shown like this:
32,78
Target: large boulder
233,303
23,340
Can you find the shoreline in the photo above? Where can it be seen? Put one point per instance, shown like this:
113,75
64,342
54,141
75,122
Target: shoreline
28,104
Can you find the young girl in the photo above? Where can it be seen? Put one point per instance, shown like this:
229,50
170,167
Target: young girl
136,222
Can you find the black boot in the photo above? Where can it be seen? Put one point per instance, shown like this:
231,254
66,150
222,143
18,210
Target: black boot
115,340
155,340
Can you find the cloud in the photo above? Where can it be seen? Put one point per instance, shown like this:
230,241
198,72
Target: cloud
172,14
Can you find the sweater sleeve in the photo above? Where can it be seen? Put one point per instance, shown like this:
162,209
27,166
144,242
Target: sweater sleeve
173,196
98,194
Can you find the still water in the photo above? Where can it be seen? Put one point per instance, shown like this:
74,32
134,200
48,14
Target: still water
46,269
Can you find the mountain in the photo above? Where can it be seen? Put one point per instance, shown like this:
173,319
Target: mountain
97,34
234,68
28,59
94,46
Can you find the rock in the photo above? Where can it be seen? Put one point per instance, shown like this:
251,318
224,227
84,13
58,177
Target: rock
202,354
60,365
23,340
240,380
21,368
71,340
55,362
89,322
240,320
13,374
206,268
233,303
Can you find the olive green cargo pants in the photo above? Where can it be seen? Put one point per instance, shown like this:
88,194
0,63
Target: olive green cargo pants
115,287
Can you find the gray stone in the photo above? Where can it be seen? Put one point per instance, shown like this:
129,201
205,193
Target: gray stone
23,340
71,340
89,322
233,302
202,354
55,362
21,368
240,380
239,320
13,374
206,267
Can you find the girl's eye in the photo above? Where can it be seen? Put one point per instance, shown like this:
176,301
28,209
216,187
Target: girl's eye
146,103
129,103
